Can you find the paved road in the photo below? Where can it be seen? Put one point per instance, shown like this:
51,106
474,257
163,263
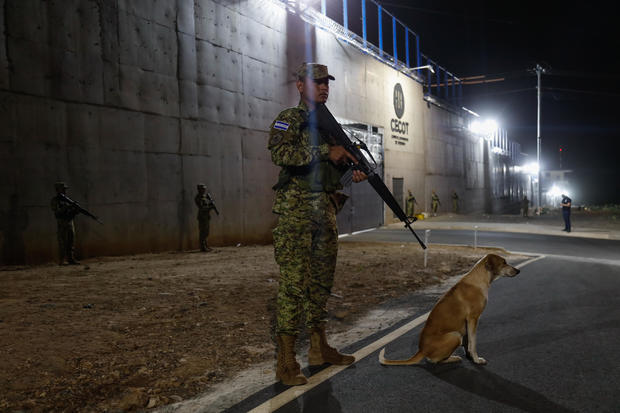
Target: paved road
534,243
550,335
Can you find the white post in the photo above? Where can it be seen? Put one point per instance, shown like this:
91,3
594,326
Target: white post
427,235
475,236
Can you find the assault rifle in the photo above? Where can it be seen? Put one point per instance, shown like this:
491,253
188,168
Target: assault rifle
213,202
326,121
78,208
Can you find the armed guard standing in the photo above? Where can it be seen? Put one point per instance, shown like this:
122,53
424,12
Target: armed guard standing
410,204
435,202
205,205
306,237
455,202
525,206
64,211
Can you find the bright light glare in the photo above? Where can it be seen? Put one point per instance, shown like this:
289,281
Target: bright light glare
556,191
531,168
485,128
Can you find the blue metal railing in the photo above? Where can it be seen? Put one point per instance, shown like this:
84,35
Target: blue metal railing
443,85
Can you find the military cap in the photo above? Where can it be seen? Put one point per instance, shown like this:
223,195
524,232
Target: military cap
313,71
201,186
60,185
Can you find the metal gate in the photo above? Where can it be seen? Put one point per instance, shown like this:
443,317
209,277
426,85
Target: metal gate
397,190
364,208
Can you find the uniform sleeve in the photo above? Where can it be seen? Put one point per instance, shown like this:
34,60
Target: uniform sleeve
289,146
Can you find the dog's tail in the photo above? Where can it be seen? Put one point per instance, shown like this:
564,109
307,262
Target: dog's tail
415,359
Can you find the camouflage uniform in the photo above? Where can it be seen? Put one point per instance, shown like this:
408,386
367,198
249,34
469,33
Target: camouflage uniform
435,202
205,206
455,202
410,204
306,237
525,204
64,213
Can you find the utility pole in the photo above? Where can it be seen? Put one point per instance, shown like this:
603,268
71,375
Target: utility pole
539,71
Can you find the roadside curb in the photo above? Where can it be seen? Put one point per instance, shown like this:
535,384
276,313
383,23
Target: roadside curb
524,229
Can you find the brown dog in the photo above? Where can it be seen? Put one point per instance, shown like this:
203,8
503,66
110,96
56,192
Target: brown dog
455,316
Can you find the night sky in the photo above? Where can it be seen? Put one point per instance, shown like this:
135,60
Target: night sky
577,42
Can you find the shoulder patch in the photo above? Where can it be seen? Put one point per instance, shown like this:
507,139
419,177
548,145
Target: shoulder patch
281,125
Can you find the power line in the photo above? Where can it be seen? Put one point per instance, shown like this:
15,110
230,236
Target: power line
505,92
591,92
591,75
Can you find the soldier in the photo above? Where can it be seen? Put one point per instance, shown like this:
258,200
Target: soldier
306,237
411,202
64,213
435,202
525,206
455,202
205,205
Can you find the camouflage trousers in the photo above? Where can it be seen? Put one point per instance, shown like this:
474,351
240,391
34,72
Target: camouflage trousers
66,238
203,233
434,206
410,209
306,251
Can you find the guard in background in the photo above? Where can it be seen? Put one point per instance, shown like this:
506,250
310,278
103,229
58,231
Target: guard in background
64,212
455,202
411,202
525,206
205,206
435,203
566,204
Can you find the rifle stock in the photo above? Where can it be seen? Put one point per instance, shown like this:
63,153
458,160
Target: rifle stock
326,121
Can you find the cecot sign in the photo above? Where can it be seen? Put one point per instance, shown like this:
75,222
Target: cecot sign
398,126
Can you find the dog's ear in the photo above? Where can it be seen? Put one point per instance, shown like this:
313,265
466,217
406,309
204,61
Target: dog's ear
492,263
488,265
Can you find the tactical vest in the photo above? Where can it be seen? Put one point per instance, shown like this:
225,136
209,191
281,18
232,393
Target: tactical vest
319,176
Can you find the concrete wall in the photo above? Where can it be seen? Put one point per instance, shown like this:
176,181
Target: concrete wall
134,102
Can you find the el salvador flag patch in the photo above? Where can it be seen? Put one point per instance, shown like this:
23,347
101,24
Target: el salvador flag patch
281,125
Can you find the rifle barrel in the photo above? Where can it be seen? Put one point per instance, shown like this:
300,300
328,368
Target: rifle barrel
327,121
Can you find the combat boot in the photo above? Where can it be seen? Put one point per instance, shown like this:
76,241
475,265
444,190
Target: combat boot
321,352
288,370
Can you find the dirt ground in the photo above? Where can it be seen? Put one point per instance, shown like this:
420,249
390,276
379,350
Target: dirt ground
124,333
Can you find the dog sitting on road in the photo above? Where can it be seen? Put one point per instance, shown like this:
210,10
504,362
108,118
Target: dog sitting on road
454,319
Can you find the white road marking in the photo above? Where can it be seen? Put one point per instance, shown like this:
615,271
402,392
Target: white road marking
294,392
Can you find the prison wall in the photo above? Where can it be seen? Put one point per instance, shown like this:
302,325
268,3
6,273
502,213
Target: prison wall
132,103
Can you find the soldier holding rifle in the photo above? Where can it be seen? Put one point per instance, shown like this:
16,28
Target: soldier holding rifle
65,209
306,237
205,205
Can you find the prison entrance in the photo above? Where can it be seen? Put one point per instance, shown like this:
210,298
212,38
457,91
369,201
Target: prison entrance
364,208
